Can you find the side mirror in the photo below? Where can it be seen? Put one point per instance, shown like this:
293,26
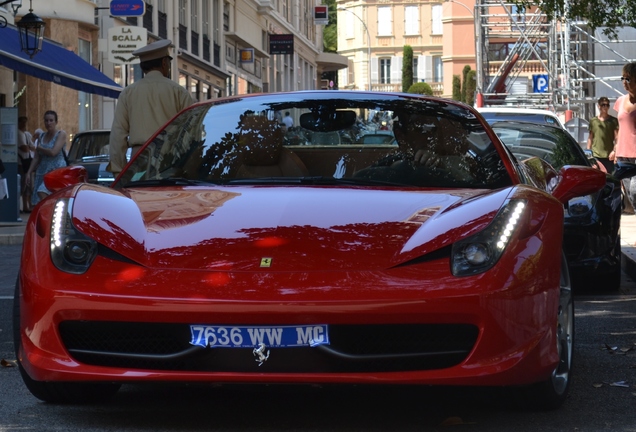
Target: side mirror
66,176
577,181
624,170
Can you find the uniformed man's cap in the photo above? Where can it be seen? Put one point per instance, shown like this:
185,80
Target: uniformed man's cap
153,51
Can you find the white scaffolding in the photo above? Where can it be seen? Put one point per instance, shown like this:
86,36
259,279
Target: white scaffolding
580,65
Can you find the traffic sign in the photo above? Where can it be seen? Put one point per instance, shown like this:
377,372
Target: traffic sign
540,83
127,8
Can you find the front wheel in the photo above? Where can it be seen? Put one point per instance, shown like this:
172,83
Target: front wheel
56,392
551,394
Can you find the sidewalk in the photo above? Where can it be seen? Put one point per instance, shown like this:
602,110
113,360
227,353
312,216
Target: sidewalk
11,234
628,244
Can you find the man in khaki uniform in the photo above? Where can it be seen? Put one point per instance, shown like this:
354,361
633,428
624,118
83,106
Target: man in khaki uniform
146,105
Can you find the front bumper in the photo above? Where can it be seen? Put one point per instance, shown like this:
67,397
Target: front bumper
496,328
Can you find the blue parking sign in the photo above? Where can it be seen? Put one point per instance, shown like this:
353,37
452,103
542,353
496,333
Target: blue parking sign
540,83
127,8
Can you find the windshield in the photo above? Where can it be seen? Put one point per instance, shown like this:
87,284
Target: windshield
305,138
89,145
492,117
554,145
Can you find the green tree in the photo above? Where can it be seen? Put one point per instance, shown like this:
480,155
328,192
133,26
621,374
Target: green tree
330,32
611,14
421,88
464,75
407,68
457,88
471,87
330,39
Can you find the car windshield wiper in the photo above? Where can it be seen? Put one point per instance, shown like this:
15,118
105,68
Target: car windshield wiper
169,181
316,180
321,180
265,180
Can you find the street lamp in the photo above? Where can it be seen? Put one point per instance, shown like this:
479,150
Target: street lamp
31,28
368,42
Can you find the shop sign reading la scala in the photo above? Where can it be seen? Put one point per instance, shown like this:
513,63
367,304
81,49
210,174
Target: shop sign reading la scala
122,41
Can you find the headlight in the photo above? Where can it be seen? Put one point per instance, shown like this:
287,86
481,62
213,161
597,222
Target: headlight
481,251
71,251
580,205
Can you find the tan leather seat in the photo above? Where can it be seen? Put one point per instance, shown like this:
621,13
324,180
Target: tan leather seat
264,155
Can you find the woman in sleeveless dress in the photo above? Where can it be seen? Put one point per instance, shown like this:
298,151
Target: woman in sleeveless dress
49,156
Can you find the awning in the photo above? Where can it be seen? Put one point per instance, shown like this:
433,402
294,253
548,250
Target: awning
56,64
331,62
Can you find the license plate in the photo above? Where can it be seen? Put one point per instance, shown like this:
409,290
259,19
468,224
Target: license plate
253,336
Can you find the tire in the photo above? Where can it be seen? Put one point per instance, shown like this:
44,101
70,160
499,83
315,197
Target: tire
613,279
56,392
550,394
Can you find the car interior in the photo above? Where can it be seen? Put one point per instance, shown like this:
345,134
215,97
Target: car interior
328,142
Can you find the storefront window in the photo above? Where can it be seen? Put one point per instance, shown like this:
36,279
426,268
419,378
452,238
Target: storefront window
84,99
194,88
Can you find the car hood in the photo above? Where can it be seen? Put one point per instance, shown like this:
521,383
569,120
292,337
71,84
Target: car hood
280,228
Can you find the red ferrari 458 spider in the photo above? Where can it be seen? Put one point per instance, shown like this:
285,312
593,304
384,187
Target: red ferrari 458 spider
384,238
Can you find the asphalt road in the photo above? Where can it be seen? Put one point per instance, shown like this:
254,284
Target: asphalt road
602,396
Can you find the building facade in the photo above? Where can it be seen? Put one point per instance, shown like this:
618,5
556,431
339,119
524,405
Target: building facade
69,23
220,48
372,35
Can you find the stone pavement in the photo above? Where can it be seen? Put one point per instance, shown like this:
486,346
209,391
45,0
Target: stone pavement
11,234
628,244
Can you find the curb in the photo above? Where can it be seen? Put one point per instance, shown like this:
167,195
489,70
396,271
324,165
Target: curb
11,234
10,239
628,260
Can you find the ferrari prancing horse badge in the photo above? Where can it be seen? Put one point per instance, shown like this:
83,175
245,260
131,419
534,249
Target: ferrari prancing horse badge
261,354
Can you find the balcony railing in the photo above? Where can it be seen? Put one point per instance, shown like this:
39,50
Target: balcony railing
438,88
530,67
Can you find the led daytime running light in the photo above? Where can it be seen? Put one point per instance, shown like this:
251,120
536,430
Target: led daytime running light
57,223
481,251
513,219
71,251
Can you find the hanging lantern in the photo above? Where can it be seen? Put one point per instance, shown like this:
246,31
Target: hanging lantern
31,29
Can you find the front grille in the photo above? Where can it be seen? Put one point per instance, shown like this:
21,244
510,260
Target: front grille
358,348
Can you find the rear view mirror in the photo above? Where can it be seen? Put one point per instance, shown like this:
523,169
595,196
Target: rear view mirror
578,181
328,121
65,176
